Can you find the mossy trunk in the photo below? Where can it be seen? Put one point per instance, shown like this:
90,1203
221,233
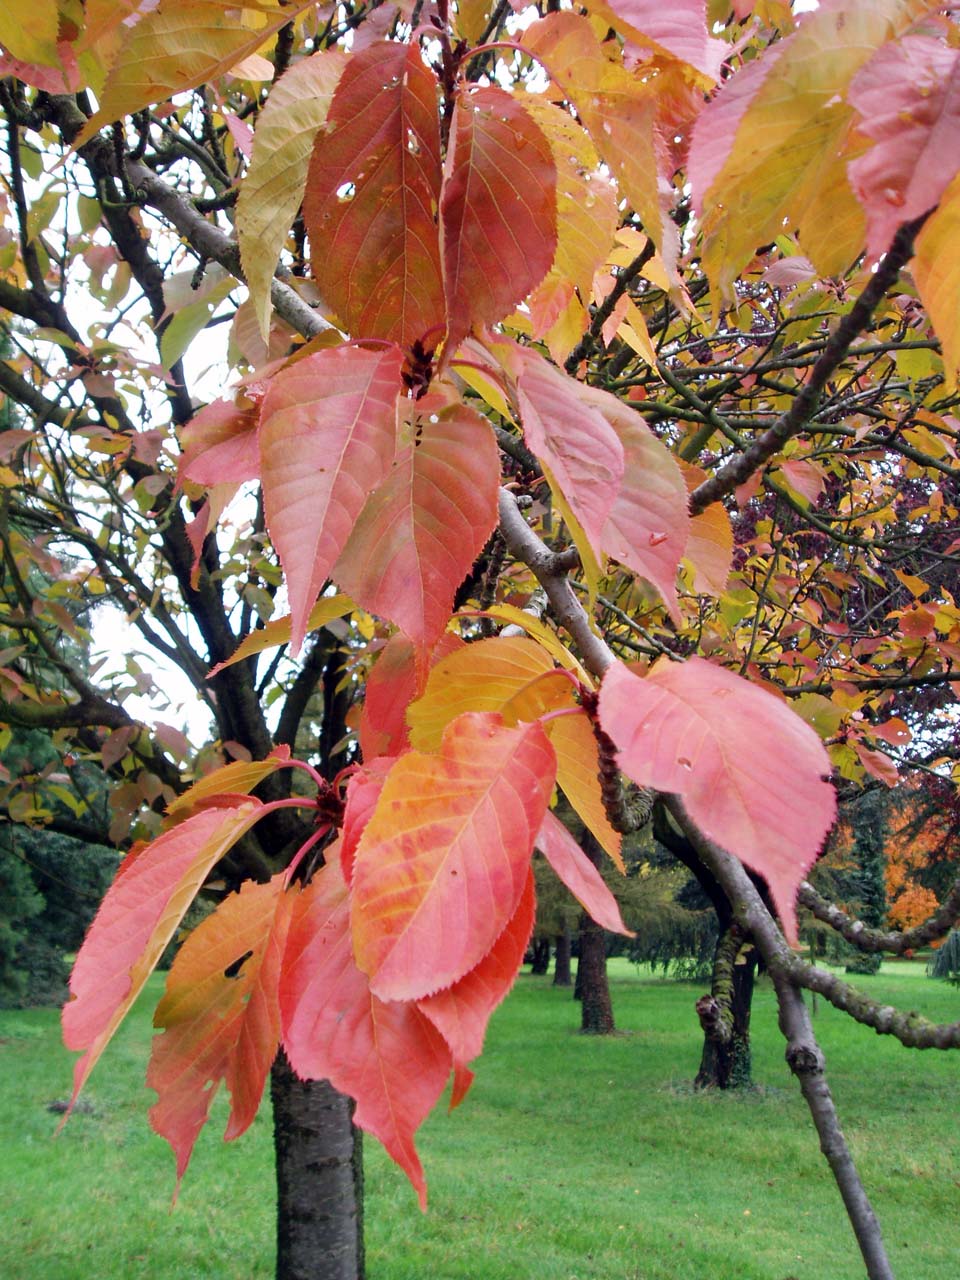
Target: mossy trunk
725,1017
319,1179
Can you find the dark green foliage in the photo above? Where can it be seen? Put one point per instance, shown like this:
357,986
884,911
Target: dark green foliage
870,823
946,961
50,888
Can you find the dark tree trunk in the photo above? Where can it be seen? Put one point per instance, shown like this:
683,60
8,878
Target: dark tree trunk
541,956
593,989
561,964
319,1180
725,1017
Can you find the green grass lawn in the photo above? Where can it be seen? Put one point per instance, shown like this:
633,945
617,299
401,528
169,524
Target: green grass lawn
572,1159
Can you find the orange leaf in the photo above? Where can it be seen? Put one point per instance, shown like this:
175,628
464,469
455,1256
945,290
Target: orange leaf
177,47
136,920
498,212
238,778
220,1016
388,1057
443,860
372,192
578,767
483,676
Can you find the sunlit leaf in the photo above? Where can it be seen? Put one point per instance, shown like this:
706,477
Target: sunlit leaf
443,860
579,874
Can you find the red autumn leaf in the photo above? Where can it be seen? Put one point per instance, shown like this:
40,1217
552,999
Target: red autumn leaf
443,860
389,689
751,773
328,433
572,438
136,920
220,1016
420,532
909,97
372,194
461,1012
219,445
579,874
498,213
388,1057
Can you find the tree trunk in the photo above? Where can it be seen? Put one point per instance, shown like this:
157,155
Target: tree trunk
593,989
541,956
319,1179
561,964
725,1016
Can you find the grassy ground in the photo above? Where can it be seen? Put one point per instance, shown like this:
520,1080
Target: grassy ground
573,1158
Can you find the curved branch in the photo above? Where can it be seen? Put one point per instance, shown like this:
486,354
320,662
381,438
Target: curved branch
864,938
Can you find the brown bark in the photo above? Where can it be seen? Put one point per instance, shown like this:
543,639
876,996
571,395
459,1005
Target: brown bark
593,989
561,965
540,961
319,1179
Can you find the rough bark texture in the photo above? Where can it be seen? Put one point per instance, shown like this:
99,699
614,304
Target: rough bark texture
319,1180
561,965
725,1017
593,989
540,962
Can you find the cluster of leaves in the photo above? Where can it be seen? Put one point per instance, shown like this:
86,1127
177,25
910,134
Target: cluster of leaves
534,275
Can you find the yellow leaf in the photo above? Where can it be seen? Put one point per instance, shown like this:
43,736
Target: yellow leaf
28,30
277,632
936,270
177,47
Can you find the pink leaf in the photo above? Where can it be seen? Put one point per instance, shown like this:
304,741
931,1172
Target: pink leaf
219,445
579,874
327,437
388,1057
572,438
909,97
420,532
136,920
753,776
680,27
462,1012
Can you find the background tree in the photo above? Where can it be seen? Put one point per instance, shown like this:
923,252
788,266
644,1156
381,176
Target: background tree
716,441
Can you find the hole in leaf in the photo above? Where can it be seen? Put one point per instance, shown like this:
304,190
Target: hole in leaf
233,970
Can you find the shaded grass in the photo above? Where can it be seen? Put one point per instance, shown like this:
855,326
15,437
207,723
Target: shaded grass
573,1158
